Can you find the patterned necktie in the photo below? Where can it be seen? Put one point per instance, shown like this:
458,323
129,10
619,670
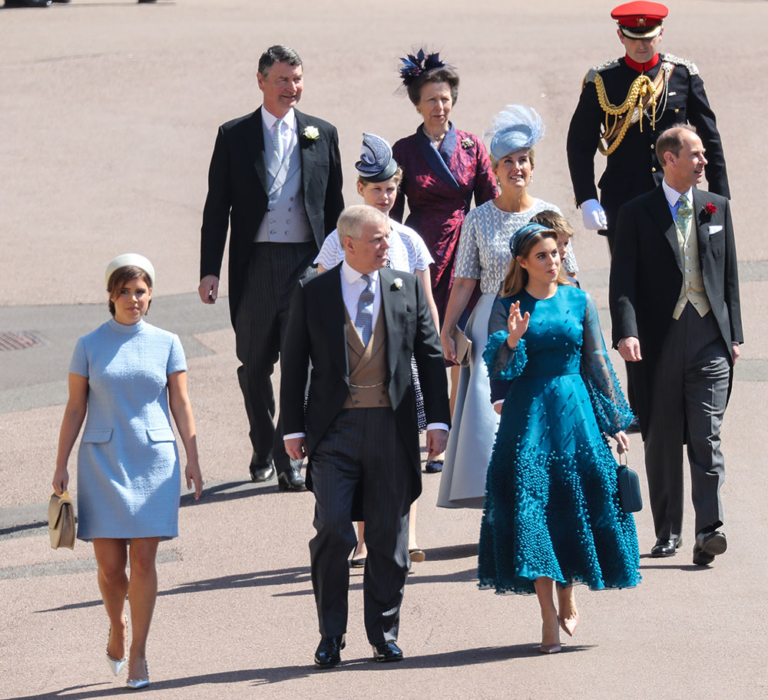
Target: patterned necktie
364,318
277,139
684,213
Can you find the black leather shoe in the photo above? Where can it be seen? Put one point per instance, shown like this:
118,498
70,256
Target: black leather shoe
666,548
707,546
291,480
386,652
434,466
328,652
261,471
27,3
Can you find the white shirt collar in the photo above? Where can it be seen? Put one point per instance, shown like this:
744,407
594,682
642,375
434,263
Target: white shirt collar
351,275
673,195
269,119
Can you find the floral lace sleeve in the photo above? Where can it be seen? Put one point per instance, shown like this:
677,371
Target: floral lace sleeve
611,408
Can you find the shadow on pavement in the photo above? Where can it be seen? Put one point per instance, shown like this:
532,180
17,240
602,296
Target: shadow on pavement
275,577
266,676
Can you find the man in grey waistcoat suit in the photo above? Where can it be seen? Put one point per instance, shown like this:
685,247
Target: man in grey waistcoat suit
275,181
359,324
674,298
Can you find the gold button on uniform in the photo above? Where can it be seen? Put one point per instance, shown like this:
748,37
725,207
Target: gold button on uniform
653,170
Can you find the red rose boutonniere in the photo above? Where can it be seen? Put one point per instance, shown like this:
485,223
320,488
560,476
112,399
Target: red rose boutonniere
710,208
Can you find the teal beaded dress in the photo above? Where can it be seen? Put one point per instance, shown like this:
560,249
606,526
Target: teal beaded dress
552,507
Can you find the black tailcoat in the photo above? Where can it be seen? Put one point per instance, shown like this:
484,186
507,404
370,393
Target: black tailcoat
647,278
237,192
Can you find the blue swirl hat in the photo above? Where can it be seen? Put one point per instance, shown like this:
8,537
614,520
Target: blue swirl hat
376,163
514,128
522,236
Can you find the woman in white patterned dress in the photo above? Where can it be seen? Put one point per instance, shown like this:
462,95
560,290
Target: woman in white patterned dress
484,255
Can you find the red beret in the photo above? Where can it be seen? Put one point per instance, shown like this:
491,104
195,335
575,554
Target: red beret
640,20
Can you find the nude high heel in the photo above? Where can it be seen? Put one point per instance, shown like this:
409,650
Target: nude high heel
569,624
549,648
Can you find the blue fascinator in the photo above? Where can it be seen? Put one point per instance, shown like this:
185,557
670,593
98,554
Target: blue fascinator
513,128
522,236
376,163
414,65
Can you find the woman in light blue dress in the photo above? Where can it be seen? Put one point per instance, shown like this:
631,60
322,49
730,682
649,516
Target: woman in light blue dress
484,255
125,375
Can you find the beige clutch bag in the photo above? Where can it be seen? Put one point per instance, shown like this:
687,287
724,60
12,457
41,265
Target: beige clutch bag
61,521
463,347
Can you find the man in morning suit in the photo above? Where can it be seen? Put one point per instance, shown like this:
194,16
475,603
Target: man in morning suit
359,325
624,105
674,297
275,181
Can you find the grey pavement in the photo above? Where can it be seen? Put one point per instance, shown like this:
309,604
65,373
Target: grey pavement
109,112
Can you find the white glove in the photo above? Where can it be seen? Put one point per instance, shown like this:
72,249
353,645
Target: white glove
593,215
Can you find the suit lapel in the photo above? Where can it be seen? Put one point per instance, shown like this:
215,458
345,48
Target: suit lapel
335,322
701,222
256,148
392,304
307,149
666,224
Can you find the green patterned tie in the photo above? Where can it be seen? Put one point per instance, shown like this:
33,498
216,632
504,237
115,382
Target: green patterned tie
684,213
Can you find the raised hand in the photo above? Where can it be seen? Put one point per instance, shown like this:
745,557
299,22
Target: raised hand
517,324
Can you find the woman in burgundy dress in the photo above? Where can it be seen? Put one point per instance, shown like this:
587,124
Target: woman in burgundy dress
443,168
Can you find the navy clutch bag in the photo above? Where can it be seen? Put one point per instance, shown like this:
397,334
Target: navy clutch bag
629,488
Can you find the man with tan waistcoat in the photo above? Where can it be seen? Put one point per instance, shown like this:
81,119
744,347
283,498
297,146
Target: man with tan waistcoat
359,324
674,298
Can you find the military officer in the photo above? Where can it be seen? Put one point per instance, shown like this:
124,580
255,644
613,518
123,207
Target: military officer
624,105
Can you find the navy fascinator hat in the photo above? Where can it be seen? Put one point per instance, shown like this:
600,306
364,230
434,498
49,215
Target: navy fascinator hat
376,163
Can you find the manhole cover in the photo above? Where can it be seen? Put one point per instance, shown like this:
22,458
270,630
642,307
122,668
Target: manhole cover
19,340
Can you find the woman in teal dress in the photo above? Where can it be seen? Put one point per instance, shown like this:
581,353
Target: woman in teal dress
552,511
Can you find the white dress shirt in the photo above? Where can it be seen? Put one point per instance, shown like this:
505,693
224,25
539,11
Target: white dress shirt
287,128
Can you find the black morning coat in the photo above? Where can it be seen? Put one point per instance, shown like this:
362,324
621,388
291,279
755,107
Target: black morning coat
237,192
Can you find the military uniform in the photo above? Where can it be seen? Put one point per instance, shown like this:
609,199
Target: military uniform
632,167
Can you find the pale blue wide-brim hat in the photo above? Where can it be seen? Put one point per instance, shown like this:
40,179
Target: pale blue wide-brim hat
376,163
514,128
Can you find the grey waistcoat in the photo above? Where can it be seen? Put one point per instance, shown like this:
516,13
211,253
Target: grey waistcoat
286,220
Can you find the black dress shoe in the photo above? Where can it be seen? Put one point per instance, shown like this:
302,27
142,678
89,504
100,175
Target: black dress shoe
328,653
666,548
27,3
434,466
261,471
386,652
291,480
707,546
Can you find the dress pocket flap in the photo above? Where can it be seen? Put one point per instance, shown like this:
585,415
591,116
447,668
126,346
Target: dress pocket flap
161,434
97,435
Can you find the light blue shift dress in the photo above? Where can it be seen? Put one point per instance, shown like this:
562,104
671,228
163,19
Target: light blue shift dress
128,473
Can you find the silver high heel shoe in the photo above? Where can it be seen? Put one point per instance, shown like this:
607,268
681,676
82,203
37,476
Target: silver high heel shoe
115,664
141,682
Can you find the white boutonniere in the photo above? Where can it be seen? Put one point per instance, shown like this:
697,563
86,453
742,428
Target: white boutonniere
311,133
397,284
467,143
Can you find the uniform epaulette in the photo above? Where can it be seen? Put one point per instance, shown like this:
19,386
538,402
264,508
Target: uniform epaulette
592,72
692,69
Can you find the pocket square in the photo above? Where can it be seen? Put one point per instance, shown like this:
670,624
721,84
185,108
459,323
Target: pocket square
715,229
